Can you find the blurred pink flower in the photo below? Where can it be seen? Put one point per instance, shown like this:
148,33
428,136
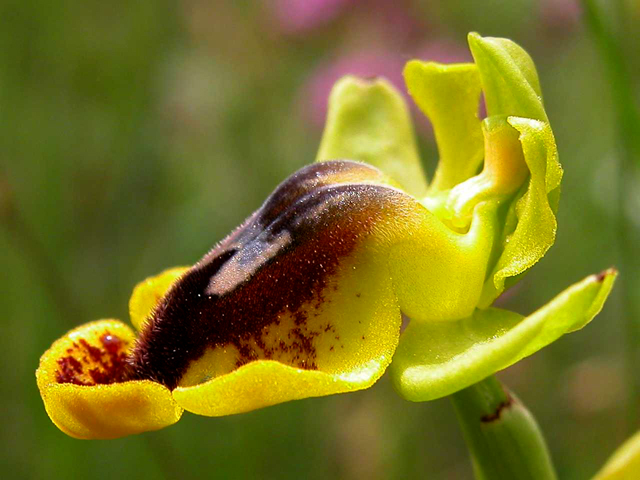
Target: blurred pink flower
560,14
363,64
443,51
301,15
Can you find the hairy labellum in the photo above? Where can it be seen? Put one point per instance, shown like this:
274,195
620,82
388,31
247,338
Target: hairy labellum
278,267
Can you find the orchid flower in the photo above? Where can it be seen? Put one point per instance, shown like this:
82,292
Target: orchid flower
306,297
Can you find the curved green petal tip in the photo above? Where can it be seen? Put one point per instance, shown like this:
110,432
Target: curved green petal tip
449,95
624,464
530,226
368,121
437,359
509,78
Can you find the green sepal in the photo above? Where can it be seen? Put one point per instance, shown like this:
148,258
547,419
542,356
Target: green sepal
368,121
509,78
624,464
536,225
449,96
437,359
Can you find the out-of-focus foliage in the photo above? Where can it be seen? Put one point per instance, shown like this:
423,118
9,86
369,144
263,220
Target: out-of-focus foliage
136,134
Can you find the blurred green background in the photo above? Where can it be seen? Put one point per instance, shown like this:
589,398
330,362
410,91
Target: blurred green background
136,134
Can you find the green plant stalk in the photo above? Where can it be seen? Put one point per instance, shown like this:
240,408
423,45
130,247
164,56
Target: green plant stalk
503,438
628,132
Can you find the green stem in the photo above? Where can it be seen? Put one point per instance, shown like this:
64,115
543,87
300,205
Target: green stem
503,438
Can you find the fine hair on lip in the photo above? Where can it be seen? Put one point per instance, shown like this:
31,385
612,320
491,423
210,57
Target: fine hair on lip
278,262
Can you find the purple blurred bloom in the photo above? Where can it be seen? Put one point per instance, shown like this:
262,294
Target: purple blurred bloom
443,51
560,14
301,15
370,64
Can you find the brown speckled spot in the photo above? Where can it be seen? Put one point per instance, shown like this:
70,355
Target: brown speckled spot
88,364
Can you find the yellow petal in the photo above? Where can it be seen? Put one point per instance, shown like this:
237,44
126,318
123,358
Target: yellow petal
81,381
149,292
266,382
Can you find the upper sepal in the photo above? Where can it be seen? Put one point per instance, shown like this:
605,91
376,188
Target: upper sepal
368,121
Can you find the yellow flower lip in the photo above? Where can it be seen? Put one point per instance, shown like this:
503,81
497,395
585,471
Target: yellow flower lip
215,385
315,257
82,381
300,301
278,269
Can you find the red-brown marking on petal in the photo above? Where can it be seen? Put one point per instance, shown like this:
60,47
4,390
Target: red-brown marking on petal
97,365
